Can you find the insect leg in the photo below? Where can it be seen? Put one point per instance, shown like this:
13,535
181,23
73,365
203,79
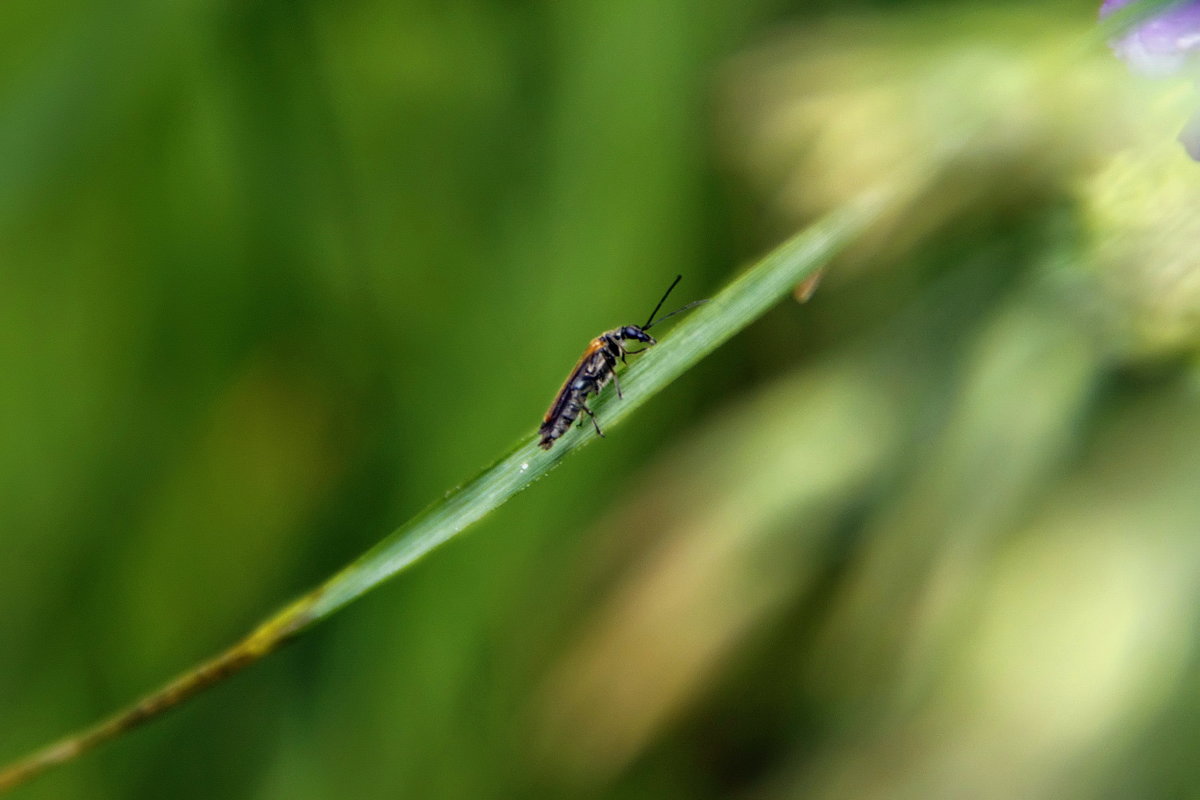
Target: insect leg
617,384
595,425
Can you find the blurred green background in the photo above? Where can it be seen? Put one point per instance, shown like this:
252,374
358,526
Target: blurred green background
274,276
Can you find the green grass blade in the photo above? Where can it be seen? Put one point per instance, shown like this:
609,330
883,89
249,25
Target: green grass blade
699,333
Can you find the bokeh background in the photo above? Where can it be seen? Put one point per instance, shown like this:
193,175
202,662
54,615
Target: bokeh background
275,275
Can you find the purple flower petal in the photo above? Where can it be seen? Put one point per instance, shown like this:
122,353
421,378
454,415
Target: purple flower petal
1162,44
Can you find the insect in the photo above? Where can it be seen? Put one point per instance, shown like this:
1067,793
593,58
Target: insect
595,369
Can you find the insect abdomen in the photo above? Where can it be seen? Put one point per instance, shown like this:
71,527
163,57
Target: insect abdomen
590,376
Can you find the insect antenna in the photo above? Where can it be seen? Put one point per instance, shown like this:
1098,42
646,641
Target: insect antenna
650,322
666,294
688,307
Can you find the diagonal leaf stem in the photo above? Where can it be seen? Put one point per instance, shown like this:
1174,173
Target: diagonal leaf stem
702,331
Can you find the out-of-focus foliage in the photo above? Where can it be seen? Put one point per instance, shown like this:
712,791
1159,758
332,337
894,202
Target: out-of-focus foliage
273,276
1141,236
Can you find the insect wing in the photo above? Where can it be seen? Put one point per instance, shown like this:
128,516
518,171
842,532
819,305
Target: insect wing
586,366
